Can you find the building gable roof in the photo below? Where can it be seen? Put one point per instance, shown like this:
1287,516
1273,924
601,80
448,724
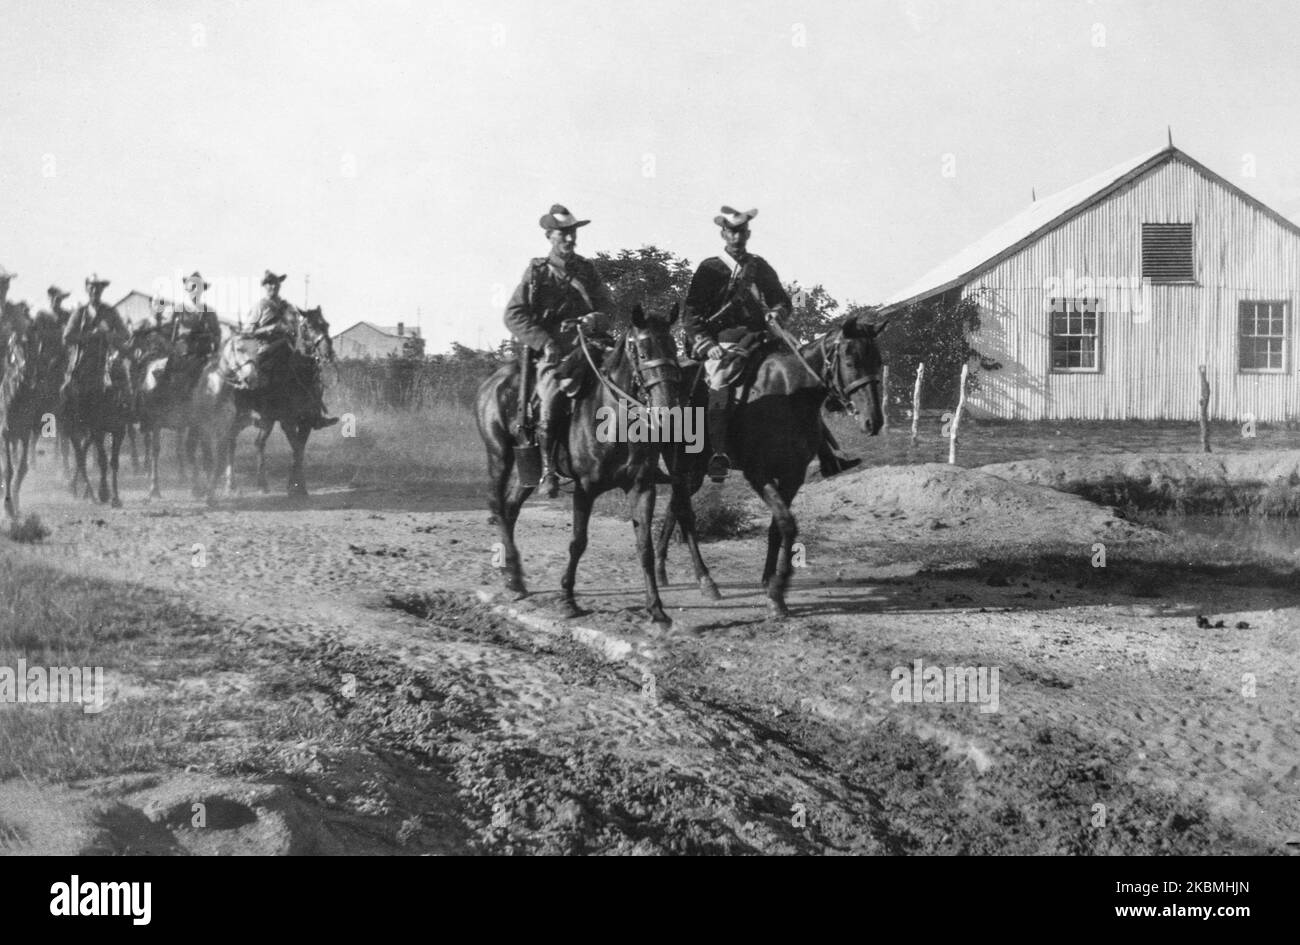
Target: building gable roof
1045,215
412,331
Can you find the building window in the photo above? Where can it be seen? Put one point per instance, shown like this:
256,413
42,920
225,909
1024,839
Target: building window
1167,252
1076,335
1261,337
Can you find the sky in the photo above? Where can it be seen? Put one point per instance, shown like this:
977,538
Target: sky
398,155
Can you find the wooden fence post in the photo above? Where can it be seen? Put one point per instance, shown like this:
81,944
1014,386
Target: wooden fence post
916,400
956,418
1205,412
884,398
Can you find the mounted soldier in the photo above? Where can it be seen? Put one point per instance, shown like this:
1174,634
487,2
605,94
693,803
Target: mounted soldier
728,304
56,296
195,332
278,328
555,290
10,316
92,324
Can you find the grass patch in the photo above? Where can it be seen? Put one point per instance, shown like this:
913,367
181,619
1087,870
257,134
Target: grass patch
49,618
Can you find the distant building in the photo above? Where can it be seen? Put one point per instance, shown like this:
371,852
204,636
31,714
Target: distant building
138,308
1102,301
364,340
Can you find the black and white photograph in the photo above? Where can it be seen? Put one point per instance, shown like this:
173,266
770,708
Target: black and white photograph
630,428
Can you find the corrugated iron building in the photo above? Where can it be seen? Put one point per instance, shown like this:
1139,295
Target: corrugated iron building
1102,301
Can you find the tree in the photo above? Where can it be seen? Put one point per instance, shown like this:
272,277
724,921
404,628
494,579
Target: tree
413,347
653,277
812,311
938,332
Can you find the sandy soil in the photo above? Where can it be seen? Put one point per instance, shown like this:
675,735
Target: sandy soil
726,733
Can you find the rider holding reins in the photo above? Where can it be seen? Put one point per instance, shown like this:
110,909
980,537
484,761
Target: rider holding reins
730,299
274,320
555,289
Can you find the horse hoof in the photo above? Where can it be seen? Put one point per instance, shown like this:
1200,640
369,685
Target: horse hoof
116,503
776,610
569,609
660,620
155,494
709,589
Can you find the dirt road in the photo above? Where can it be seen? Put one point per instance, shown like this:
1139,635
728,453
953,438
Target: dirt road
489,725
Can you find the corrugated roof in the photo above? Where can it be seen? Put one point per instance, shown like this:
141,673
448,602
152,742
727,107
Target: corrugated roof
1030,223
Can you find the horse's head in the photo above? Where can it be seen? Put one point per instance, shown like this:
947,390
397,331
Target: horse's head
653,351
318,340
853,373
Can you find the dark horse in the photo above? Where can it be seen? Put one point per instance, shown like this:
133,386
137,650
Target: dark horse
29,392
775,433
93,409
288,398
642,361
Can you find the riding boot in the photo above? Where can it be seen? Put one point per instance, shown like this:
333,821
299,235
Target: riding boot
831,458
719,414
323,418
547,425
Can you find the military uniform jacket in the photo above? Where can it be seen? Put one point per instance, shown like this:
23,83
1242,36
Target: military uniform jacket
274,314
89,318
197,327
550,292
751,284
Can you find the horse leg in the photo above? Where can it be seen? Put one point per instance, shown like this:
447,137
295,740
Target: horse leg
263,434
643,516
661,542
101,459
153,450
505,509
681,510
298,443
205,449
23,446
582,501
135,456
773,549
11,500
116,447
786,530
80,443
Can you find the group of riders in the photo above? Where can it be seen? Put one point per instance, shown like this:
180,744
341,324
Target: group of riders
734,306
183,340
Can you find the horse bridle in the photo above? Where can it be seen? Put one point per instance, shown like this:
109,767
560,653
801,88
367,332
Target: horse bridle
831,364
661,370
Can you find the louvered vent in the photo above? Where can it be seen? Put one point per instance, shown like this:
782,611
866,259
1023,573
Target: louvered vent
1167,252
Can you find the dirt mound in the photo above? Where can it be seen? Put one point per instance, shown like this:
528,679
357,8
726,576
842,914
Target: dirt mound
1266,483
871,504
